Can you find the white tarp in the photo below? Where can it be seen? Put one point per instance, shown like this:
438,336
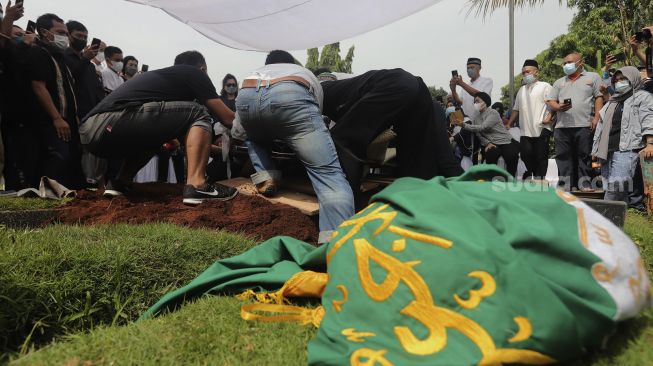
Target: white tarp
266,25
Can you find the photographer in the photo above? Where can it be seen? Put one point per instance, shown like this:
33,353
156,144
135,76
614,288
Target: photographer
642,38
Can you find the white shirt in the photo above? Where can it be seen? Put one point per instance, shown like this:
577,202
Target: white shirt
111,80
530,103
481,84
275,71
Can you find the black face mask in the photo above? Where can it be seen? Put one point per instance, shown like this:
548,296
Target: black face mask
78,44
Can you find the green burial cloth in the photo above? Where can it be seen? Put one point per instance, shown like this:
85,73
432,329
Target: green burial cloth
465,271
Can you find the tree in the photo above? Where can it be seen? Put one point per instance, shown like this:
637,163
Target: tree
439,92
487,7
330,59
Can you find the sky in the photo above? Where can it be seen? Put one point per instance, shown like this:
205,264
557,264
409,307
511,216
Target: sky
429,44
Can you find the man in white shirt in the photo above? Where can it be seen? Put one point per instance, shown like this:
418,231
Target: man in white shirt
463,93
111,79
531,110
283,101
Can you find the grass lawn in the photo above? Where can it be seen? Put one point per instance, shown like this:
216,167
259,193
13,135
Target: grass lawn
210,330
20,204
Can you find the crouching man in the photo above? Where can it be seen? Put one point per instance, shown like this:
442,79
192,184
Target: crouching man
283,101
137,118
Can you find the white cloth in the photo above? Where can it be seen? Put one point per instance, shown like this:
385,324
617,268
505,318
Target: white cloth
275,71
530,103
482,84
111,80
149,173
266,25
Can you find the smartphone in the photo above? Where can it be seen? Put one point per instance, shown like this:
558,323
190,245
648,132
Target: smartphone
644,35
619,57
454,73
31,27
96,42
144,68
19,2
567,101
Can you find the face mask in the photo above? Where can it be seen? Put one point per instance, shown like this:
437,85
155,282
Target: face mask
529,79
622,87
78,44
100,57
570,68
131,70
61,42
231,89
450,110
19,40
472,73
479,106
116,67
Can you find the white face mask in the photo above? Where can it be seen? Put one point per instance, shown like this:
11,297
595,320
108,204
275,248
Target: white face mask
622,87
61,42
100,57
570,68
116,66
479,106
530,79
472,73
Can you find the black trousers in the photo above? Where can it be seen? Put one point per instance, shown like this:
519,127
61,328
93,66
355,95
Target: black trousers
573,146
177,163
510,154
366,105
535,154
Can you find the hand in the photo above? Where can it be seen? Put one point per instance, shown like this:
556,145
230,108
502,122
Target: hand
452,83
63,129
633,42
603,88
29,38
90,52
15,12
490,146
609,61
564,107
647,152
595,122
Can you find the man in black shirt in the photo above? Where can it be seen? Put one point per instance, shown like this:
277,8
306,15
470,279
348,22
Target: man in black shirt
55,110
88,90
158,106
368,104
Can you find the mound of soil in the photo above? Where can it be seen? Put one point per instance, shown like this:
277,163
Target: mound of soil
155,202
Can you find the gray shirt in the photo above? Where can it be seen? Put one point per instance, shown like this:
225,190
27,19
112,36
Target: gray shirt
489,128
582,92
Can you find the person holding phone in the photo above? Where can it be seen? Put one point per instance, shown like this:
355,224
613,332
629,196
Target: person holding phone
88,91
463,92
577,99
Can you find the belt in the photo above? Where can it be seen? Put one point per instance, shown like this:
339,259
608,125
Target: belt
254,83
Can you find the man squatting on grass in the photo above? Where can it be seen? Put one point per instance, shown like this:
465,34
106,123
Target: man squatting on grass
159,106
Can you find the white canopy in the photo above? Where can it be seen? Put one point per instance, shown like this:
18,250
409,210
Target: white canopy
285,24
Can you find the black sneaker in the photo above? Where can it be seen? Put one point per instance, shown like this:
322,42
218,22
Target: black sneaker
194,196
116,188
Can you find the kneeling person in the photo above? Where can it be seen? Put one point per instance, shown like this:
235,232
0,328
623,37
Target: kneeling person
136,119
284,101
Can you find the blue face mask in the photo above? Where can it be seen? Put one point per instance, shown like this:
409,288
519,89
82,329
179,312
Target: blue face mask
529,79
19,40
450,110
570,68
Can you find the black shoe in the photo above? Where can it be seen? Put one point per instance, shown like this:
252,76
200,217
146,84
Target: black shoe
116,188
194,196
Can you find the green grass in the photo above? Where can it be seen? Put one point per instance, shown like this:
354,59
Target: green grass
210,331
21,204
63,279
207,332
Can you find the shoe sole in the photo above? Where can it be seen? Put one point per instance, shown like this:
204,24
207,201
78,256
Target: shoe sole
197,201
110,193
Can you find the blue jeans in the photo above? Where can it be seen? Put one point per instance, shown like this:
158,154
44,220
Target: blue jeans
287,111
618,173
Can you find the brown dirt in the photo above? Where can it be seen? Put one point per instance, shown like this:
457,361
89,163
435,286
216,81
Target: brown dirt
152,202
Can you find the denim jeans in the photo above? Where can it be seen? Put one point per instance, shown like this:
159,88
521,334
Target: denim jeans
287,111
618,173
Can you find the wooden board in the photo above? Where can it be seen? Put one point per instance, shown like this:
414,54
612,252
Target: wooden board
305,203
647,174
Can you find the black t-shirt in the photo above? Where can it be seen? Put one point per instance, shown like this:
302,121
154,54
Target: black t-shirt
88,88
176,83
615,131
15,89
41,68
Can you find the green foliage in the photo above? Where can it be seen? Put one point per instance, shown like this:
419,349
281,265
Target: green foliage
64,279
439,92
330,59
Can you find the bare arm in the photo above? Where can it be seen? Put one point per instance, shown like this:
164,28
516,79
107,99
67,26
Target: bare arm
221,112
454,93
45,100
12,13
598,104
514,115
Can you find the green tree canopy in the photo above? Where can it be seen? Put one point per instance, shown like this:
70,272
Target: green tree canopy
330,59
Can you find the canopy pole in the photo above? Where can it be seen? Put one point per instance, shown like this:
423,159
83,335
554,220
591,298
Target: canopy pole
512,53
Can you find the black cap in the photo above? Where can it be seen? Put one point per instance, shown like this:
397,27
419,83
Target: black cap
474,61
531,63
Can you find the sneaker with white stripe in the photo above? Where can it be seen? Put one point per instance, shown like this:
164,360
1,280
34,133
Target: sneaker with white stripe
194,196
